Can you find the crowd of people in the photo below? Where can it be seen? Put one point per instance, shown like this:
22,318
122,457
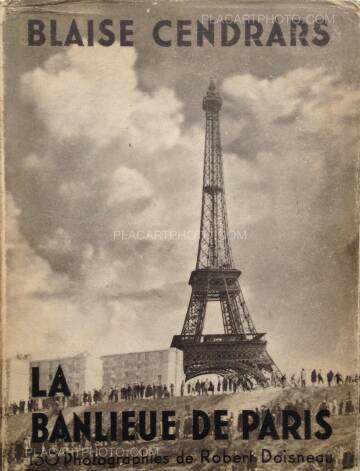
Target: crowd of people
113,394
317,378
202,387
341,458
222,385
345,407
196,387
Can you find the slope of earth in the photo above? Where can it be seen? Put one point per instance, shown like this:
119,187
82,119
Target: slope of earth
210,454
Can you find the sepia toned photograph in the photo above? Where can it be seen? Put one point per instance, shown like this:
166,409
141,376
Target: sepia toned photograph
180,237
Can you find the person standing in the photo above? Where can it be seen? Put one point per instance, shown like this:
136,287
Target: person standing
182,387
320,378
142,390
329,377
338,378
18,451
303,377
349,407
313,377
206,386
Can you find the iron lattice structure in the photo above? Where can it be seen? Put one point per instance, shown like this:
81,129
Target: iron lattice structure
240,352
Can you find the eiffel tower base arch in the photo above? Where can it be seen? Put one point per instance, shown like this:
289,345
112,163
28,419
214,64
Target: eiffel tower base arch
243,359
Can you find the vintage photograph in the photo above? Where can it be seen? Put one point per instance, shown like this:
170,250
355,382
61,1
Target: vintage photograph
181,236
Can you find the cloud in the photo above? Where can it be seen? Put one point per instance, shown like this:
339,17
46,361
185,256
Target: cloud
275,129
111,164
28,273
289,144
116,148
117,158
93,93
32,161
30,279
285,112
128,185
64,319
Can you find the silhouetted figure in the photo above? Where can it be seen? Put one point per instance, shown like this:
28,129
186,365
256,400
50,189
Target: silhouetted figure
349,407
338,378
330,377
293,381
320,378
313,377
18,451
303,378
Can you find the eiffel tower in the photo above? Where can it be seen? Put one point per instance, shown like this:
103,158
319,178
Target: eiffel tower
239,353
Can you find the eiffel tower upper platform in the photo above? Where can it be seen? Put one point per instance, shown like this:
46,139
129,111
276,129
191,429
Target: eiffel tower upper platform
240,352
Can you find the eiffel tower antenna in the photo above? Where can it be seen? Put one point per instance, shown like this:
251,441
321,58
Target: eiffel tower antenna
241,351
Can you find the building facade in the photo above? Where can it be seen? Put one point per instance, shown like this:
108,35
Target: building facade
153,367
83,372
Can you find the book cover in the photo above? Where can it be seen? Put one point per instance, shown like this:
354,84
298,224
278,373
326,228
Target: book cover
179,235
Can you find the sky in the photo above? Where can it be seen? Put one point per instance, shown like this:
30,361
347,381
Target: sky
104,145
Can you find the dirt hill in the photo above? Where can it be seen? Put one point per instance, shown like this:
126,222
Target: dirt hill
341,441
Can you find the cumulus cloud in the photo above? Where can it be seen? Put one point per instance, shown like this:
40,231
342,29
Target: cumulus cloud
64,319
108,169
76,95
27,272
128,185
275,129
30,278
295,191
289,112
121,159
